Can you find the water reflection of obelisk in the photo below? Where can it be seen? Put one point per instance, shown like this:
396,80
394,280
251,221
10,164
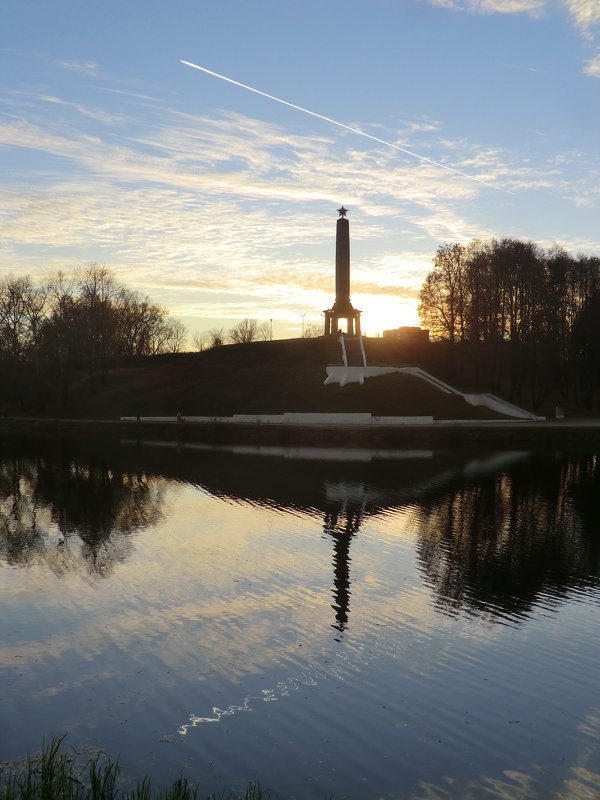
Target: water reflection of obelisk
342,307
341,523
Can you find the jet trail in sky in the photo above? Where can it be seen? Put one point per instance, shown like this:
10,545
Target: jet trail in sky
339,124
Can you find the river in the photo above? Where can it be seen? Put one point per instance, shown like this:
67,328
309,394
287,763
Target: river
355,623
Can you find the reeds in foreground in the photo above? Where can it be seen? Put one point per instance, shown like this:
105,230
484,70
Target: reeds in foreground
53,776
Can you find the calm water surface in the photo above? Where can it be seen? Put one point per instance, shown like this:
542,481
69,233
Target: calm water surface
413,624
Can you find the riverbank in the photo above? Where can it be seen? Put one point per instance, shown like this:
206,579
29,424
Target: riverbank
507,433
276,393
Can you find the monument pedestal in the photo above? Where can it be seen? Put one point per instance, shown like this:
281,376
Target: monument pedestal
333,317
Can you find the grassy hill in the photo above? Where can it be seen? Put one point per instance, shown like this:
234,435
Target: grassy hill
261,377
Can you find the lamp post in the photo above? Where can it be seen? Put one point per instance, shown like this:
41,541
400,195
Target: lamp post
303,326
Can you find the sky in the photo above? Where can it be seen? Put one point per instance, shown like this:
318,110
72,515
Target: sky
220,204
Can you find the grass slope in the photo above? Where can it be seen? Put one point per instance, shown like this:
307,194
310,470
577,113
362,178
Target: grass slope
257,378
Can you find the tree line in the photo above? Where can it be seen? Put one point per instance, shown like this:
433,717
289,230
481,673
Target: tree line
524,319
82,317
515,318
86,321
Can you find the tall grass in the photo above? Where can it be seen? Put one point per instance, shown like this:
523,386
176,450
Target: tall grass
53,776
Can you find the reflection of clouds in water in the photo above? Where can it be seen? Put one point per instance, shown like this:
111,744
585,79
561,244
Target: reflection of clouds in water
242,623
585,780
214,601
309,678
266,696
347,664
584,784
218,714
514,785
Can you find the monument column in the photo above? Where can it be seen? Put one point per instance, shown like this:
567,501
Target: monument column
342,307
342,261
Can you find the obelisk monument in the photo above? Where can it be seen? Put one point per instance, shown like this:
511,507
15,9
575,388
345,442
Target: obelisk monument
342,307
342,261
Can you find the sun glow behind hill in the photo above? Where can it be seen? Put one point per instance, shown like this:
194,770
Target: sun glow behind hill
385,313
220,204
294,297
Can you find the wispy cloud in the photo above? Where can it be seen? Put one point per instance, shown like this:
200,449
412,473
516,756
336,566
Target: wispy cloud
585,13
532,7
222,208
83,67
593,66
99,115
521,67
344,126
442,3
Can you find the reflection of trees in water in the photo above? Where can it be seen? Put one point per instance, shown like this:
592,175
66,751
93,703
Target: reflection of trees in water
19,531
496,531
68,513
494,534
498,544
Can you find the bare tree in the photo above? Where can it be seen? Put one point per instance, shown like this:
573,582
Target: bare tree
62,331
216,337
135,318
244,332
35,305
264,331
200,341
159,336
176,336
441,307
312,330
97,290
13,318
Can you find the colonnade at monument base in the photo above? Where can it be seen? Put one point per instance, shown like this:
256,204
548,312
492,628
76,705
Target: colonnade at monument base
332,322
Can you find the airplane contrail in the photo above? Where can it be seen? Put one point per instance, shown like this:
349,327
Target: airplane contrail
340,124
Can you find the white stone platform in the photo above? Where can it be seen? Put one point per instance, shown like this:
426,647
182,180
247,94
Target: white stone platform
342,375
359,419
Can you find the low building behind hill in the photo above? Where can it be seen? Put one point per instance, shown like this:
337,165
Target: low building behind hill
408,335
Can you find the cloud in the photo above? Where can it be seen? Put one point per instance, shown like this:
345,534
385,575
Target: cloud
592,67
532,7
97,115
236,155
212,212
442,3
522,67
585,13
83,67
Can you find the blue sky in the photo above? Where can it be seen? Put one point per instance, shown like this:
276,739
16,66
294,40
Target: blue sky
221,204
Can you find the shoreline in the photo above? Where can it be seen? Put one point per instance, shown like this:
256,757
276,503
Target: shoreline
577,431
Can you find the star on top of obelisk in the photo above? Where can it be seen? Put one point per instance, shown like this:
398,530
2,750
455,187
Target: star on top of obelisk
342,211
